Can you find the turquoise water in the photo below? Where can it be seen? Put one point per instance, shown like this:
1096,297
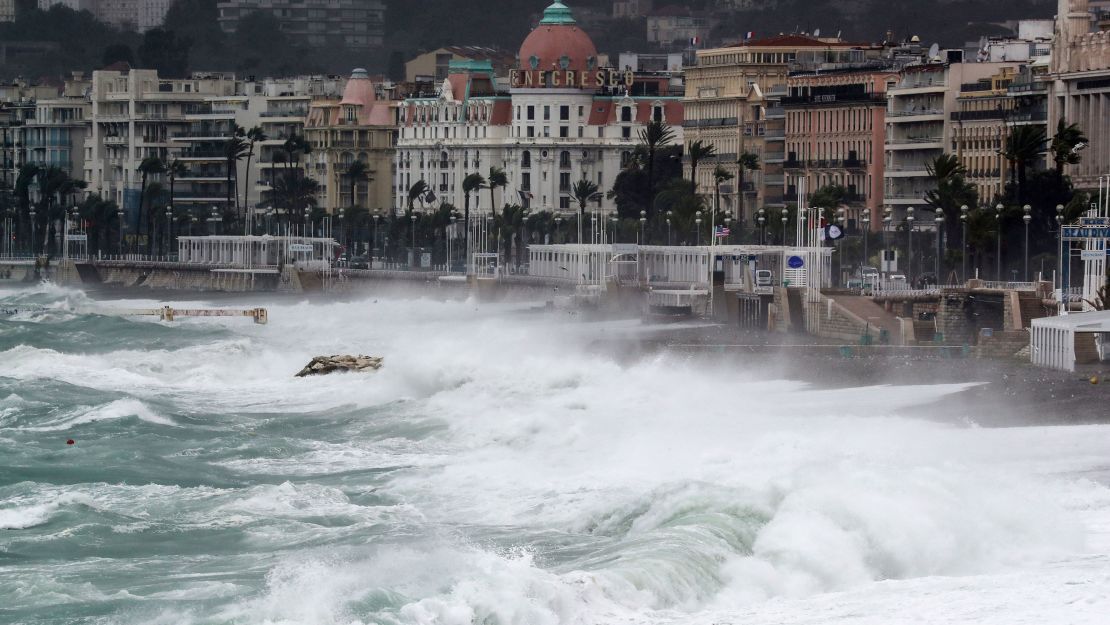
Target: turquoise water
500,470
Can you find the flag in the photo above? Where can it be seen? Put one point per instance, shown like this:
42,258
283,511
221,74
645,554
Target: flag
524,197
430,197
748,36
695,41
722,232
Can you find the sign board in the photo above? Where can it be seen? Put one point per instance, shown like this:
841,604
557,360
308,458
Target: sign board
1094,221
78,237
425,259
1086,232
536,78
795,262
764,290
1092,254
300,247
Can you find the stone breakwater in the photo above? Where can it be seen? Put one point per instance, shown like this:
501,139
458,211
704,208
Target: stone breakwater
323,365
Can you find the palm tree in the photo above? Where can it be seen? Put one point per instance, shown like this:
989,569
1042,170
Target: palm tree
746,162
720,176
28,172
1065,148
235,150
654,136
357,171
254,135
1023,148
151,165
294,146
417,191
497,178
470,184
175,169
952,190
584,191
698,152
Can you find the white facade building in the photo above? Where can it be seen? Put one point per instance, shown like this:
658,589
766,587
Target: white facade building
563,119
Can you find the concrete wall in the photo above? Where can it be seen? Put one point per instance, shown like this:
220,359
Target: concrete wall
1002,344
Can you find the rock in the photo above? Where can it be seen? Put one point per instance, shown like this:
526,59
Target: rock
322,365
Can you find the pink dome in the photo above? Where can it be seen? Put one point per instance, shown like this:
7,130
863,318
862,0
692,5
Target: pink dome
359,89
558,44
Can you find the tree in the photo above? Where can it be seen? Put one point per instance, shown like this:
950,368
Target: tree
151,165
630,188
952,190
164,51
698,152
99,214
116,53
828,198
652,137
720,176
497,178
254,135
235,150
584,191
1065,148
174,169
747,162
471,183
417,191
296,193
357,172
1023,148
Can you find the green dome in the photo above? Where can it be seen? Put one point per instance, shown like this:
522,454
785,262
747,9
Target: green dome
557,13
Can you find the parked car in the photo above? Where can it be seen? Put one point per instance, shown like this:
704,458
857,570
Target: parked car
764,277
359,262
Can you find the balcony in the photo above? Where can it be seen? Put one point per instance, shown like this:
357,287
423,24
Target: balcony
288,113
917,113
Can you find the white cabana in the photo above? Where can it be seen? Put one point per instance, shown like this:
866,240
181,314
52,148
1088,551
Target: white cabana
246,252
1052,340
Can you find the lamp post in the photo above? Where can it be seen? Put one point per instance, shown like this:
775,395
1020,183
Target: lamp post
840,216
558,226
308,229
909,243
669,215
963,255
643,223
939,221
32,214
412,253
761,219
697,226
613,229
169,227
865,219
998,242
888,221
1026,217
1060,247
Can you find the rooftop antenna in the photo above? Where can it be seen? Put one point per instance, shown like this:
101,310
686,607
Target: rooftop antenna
934,51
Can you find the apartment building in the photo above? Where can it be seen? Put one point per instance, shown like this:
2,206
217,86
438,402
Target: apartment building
434,65
359,126
318,23
835,135
678,24
1080,86
919,122
140,15
734,103
7,11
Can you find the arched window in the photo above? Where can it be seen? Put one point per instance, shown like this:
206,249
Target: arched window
526,159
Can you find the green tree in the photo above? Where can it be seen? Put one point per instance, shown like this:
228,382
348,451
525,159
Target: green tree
747,162
951,191
1065,148
584,191
253,136
654,136
164,51
470,184
417,191
150,166
698,152
1023,149
235,150
497,179
720,176
174,170
357,172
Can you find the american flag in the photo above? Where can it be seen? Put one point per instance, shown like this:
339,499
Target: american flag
721,232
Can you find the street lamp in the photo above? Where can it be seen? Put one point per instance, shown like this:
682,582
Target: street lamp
32,214
888,222
669,215
728,226
643,222
963,256
412,257
761,219
939,221
865,219
1060,243
308,222
1026,217
169,227
613,229
998,242
909,240
697,226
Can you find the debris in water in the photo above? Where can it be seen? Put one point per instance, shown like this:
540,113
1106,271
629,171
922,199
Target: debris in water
322,365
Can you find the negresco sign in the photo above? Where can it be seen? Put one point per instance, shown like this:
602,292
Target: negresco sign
593,79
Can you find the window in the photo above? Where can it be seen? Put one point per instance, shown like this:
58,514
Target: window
579,132
526,159
564,159
564,202
626,113
626,158
547,131
531,131
531,112
564,181
581,111
564,132
564,113
525,181
546,113
626,132
657,113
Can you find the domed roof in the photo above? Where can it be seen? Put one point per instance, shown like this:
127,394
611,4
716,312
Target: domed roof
558,43
359,89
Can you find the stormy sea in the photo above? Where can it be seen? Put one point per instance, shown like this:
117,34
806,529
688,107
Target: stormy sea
502,469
